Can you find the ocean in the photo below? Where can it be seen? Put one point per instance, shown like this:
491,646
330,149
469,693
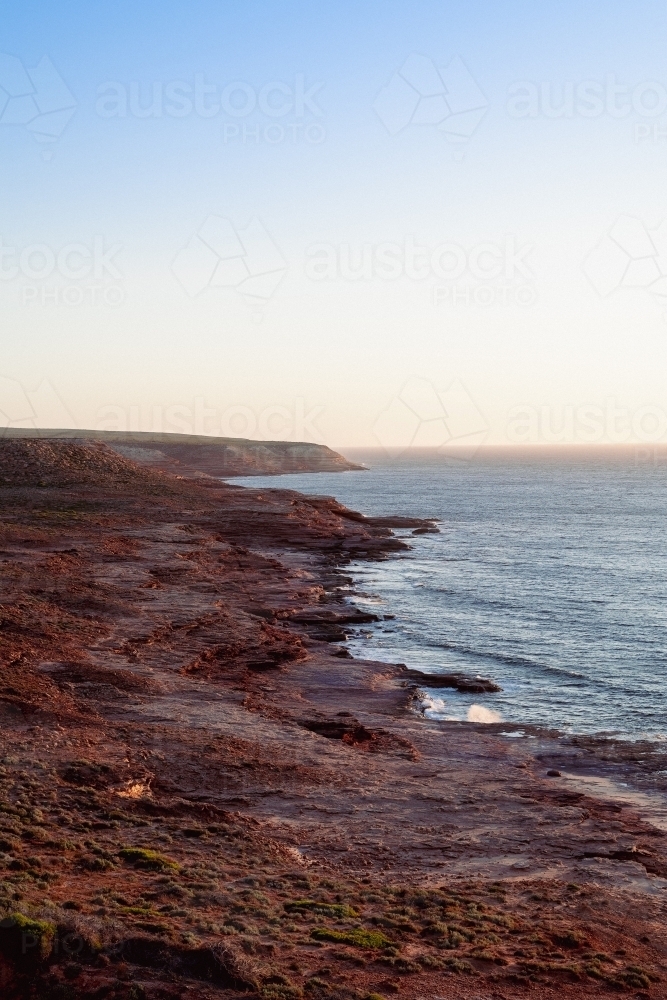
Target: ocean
549,576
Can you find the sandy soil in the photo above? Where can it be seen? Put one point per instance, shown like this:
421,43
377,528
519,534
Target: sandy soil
202,794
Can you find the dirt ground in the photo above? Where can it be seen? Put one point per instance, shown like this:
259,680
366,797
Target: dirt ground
202,794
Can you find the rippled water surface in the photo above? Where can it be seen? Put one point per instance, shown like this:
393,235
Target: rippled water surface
549,576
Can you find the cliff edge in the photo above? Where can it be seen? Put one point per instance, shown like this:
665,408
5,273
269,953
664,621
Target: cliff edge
191,455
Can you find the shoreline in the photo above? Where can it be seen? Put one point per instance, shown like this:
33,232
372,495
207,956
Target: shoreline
205,790
489,683
641,761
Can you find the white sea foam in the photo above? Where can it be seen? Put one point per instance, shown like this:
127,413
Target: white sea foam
477,713
434,706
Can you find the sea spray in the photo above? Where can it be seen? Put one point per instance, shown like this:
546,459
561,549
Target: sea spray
477,713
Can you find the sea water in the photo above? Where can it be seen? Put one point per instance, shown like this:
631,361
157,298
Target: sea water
549,576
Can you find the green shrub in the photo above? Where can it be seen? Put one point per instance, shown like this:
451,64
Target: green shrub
279,987
456,965
326,909
43,931
571,939
358,937
142,857
635,977
316,985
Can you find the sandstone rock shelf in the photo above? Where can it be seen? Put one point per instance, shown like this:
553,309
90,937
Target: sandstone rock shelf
201,797
191,455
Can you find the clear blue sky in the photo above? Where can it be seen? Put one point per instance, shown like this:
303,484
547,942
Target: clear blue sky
331,179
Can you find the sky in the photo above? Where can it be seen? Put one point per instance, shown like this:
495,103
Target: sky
364,224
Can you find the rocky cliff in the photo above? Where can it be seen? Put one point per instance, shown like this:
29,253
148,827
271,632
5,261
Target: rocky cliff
191,455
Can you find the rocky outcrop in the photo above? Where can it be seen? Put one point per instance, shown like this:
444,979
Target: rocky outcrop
191,455
458,682
200,795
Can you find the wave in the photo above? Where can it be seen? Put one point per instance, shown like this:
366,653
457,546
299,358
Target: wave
511,659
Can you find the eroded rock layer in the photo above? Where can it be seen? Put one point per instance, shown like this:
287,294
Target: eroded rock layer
201,795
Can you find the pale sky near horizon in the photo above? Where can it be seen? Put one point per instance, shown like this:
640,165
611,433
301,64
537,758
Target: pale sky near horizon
379,223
